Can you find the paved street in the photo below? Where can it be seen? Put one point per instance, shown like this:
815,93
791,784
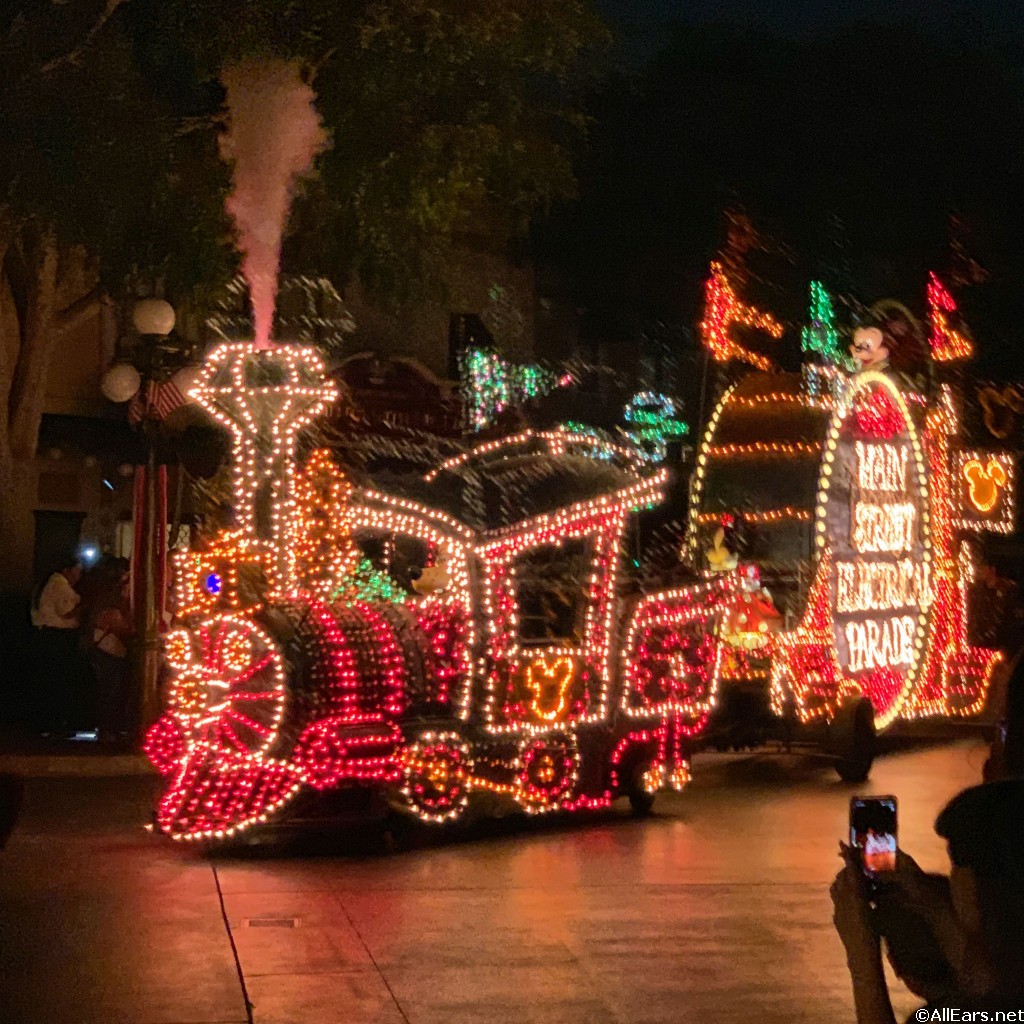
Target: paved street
714,910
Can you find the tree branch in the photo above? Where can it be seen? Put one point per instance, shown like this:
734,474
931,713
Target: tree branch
204,123
52,289
313,69
77,275
19,277
8,229
79,310
72,56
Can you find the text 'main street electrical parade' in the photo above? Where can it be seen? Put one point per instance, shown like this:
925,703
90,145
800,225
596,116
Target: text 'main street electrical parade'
298,665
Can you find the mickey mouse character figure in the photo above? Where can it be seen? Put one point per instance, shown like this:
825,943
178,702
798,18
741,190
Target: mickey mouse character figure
889,337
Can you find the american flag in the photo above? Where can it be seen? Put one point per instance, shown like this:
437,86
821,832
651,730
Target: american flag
155,400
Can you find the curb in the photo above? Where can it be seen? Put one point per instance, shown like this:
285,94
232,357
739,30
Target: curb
58,765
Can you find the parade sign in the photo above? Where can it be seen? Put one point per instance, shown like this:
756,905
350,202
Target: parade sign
875,519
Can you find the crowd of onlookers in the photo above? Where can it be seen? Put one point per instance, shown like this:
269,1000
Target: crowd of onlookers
82,631
956,942
996,610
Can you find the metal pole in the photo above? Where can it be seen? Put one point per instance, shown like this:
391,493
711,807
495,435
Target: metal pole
149,633
699,433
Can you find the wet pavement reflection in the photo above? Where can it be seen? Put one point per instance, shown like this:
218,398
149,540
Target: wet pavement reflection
714,909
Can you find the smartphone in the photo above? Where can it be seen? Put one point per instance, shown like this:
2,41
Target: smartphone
873,834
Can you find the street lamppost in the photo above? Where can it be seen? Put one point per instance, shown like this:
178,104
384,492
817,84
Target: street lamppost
154,320
153,359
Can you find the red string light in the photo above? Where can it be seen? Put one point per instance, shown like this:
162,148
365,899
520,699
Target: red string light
876,415
722,311
947,343
164,744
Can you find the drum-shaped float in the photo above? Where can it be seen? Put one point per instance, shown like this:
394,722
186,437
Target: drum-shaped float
758,472
829,496
306,693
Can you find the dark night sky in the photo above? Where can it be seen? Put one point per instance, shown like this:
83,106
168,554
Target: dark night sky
993,23
837,141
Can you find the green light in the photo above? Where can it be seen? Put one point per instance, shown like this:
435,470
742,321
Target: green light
366,583
575,427
653,419
490,384
821,335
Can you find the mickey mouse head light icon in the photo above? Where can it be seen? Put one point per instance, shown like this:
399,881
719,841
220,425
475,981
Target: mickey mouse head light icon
985,482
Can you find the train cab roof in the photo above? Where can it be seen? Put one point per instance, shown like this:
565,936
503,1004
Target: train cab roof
499,484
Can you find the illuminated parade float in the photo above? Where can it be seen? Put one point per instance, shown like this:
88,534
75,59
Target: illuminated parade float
852,497
286,678
484,643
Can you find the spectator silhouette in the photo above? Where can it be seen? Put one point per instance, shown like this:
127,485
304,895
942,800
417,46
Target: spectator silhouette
60,672
107,632
1006,757
977,924
912,949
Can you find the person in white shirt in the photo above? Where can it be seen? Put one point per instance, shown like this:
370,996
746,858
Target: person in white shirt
58,601
55,614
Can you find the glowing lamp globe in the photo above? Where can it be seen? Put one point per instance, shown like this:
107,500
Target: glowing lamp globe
186,379
153,316
120,382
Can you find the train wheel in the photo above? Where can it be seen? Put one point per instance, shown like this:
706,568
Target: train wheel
435,777
641,801
852,739
548,773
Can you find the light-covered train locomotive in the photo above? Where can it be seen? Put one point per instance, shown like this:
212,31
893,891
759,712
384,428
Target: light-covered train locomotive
285,679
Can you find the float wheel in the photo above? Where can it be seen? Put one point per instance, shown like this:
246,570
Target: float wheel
549,768
852,739
436,769
641,799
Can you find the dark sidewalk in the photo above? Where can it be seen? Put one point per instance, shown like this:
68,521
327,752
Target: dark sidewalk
101,923
716,909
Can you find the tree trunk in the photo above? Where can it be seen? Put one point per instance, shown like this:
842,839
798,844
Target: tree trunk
50,292
24,403
17,527
8,232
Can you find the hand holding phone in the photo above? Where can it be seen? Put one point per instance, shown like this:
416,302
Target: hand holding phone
873,832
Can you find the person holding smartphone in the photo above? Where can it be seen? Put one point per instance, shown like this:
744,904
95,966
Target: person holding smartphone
976,922
1006,756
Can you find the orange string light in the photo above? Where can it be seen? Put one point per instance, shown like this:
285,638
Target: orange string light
728,451
770,515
